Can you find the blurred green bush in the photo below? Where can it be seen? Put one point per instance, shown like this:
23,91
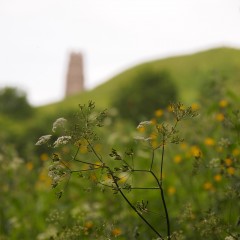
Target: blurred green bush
149,90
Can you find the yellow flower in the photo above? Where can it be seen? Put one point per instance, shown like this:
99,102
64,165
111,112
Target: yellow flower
209,142
195,151
183,146
220,117
231,171
97,164
236,152
159,113
116,232
29,166
177,159
218,177
208,186
88,224
93,177
170,108
228,162
153,121
44,157
141,129
223,103
195,106
171,190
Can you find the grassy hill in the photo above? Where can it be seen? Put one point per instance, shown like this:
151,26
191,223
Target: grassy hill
189,72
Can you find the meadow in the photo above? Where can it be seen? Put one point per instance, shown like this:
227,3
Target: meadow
95,175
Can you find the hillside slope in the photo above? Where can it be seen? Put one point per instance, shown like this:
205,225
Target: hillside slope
189,72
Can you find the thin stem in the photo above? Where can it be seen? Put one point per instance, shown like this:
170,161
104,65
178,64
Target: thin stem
153,155
162,158
164,204
84,170
95,153
88,163
132,206
74,158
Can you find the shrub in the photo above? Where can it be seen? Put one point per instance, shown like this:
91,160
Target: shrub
148,90
13,103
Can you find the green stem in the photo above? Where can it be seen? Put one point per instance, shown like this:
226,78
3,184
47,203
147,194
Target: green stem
139,214
164,204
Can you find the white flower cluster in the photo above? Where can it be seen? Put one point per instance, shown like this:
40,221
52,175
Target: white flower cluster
43,139
144,123
56,171
142,138
62,140
215,162
60,122
229,238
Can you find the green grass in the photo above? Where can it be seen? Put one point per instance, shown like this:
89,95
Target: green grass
189,72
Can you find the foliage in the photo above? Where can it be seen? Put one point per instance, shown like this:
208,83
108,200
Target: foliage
148,90
121,171
13,103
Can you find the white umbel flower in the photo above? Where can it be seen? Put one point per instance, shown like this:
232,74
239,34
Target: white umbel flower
60,122
62,140
43,139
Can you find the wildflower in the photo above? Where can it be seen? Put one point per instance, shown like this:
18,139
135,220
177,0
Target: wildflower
88,224
144,123
229,238
29,166
141,129
231,170
195,106
177,159
44,156
208,186
228,162
183,146
218,177
60,122
154,121
215,162
236,152
43,139
116,232
223,103
62,140
93,177
159,113
171,190
195,151
220,117
209,142
170,108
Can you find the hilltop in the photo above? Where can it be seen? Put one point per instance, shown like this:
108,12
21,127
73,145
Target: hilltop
189,72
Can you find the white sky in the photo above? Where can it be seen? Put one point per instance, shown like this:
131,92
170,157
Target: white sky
36,37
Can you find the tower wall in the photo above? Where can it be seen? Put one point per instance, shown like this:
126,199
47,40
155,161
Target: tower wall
75,75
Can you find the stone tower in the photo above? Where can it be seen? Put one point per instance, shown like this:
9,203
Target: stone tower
75,78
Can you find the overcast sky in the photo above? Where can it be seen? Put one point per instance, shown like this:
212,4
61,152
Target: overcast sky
36,37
